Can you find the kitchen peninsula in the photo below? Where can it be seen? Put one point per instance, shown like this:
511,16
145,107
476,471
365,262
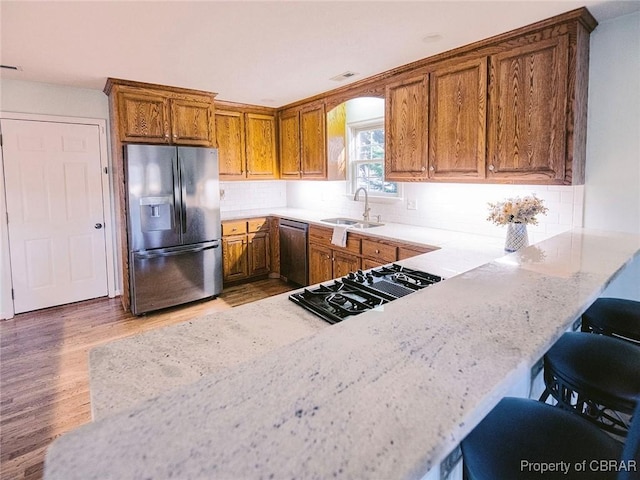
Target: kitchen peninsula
386,394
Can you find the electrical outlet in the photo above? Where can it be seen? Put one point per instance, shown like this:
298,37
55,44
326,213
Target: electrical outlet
222,193
412,204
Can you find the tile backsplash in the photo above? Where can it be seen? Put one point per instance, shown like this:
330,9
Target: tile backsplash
450,206
252,195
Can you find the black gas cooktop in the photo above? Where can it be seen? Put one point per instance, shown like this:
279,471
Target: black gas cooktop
361,291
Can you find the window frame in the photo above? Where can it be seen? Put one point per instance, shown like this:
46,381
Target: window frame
353,129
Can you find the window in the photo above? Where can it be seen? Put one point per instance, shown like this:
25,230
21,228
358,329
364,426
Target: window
367,159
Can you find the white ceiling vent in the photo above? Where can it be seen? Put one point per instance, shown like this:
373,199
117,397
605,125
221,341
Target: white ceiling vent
343,76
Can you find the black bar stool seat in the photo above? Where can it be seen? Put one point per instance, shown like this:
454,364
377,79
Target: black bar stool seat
595,376
616,317
520,435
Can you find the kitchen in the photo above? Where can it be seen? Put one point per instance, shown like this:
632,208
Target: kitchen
605,138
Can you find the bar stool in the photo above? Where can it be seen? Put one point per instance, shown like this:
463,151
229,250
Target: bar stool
614,317
520,437
596,377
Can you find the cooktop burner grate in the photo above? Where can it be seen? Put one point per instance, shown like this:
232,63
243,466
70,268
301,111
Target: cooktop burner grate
361,291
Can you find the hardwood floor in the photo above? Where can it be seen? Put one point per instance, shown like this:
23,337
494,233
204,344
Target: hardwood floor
44,379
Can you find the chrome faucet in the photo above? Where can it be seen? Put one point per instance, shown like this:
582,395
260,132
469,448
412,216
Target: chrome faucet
365,215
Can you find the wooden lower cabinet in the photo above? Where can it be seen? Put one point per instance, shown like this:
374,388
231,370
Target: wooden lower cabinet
235,258
246,251
326,263
258,253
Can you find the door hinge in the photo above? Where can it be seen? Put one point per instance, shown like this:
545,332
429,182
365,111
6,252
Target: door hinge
12,295
106,172
0,139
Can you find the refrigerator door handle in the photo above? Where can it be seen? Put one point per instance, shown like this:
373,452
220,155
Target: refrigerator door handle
177,200
183,195
174,252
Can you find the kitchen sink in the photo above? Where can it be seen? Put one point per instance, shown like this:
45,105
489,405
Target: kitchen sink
352,222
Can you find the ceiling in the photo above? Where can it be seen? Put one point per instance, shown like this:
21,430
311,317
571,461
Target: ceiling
261,52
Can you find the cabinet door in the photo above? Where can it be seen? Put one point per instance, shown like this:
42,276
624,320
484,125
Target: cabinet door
290,145
235,265
313,143
260,145
230,139
406,110
143,117
191,122
527,112
344,263
320,264
258,253
457,120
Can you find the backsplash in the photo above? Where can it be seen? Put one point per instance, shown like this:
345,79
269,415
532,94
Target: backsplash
450,206
252,195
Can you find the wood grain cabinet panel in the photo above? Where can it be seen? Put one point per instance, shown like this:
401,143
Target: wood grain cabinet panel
343,263
259,253
313,142
143,117
457,120
289,137
192,121
261,146
231,141
406,113
235,258
527,112
379,252
320,264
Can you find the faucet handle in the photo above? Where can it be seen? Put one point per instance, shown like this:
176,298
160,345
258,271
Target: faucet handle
378,218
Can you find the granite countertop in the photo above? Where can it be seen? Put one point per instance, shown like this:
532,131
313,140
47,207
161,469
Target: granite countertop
125,372
387,394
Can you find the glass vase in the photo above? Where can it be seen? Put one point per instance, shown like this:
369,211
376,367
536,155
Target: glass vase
517,237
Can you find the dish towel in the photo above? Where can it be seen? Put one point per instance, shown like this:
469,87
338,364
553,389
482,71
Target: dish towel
339,236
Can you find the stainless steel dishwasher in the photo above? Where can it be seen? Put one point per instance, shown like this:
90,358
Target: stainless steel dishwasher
293,251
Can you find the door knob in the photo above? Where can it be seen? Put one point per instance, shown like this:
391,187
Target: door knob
98,226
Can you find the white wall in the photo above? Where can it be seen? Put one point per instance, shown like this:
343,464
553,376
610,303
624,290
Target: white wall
47,99
612,186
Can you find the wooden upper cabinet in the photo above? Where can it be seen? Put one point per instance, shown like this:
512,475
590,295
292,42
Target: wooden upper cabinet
406,110
231,141
289,122
192,121
149,113
261,145
457,120
143,117
246,136
313,142
528,112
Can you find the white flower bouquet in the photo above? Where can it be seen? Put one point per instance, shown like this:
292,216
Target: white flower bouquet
516,210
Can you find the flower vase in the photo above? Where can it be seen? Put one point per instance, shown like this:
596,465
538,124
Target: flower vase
517,237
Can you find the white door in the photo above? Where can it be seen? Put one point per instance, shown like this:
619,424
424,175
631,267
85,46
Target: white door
55,212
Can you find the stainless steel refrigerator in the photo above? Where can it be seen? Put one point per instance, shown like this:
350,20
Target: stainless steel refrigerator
173,206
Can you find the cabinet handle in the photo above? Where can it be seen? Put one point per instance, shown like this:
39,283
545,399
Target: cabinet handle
432,168
377,251
423,169
166,135
492,168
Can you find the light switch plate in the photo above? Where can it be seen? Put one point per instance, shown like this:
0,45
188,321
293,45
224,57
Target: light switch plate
412,204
